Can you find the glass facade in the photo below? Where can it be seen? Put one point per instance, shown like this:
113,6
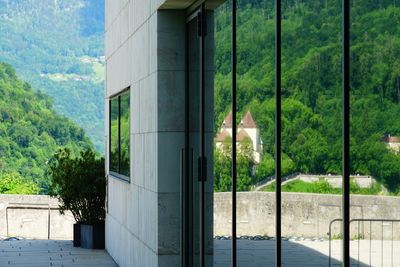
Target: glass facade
281,120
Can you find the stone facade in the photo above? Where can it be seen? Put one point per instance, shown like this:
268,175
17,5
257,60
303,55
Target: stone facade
145,51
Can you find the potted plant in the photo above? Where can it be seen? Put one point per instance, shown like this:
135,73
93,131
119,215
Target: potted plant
79,183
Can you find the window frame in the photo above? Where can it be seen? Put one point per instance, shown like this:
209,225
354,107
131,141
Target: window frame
118,175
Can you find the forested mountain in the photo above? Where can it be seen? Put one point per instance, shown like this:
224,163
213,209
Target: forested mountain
311,82
30,133
57,46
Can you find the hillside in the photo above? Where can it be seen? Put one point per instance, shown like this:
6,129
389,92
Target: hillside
30,132
311,82
57,46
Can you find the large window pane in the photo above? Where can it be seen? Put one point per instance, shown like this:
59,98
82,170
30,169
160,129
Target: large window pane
125,135
374,133
255,132
114,158
221,42
311,132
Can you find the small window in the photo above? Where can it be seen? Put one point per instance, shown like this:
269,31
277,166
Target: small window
120,136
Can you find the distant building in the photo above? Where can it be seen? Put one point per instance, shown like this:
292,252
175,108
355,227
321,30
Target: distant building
393,142
247,129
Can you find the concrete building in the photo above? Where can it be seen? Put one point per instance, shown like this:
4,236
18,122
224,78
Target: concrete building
247,129
153,127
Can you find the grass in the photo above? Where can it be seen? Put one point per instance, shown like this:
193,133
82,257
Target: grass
323,187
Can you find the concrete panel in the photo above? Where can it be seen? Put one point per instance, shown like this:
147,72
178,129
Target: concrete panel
124,23
169,229
151,161
171,40
169,161
148,226
148,103
113,8
138,160
135,109
153,42
141,13
140,54
117,196
133,209
171,104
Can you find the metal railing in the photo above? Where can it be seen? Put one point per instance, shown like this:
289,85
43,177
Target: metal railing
360,236
265,182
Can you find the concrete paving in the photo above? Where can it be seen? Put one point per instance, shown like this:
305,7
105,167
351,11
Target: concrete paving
307,253
38,253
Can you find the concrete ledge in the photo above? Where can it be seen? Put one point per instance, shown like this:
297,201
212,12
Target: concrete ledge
34,216
303,214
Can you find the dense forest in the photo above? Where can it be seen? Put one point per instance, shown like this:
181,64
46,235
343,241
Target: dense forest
311,84
58,47
30,134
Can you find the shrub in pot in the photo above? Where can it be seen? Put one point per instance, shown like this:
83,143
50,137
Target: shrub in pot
79,183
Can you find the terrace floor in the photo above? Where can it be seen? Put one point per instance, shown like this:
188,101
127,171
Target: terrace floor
38,253
307,253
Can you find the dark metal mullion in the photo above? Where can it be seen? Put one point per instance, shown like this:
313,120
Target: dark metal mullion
186,228
234,173
278,128
202,148
346,133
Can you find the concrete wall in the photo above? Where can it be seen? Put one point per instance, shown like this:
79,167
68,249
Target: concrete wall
145,50
303,214
29,216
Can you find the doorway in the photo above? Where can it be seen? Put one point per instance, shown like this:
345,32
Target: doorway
197,185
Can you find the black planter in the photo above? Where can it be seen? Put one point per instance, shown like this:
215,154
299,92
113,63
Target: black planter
77,235
93,236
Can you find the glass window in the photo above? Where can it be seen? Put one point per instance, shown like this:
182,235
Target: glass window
114,158
124,136
120,136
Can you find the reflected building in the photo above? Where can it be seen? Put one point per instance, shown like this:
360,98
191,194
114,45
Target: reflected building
247,131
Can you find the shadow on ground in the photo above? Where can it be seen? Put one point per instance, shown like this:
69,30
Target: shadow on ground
294,254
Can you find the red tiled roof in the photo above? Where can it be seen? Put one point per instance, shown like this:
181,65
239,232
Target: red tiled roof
221,136
228,120
248,121
392,139
241,136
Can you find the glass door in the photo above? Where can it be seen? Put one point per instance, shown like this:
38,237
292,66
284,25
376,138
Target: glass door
198,181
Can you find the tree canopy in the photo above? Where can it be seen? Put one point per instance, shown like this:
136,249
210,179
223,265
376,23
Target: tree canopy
311,82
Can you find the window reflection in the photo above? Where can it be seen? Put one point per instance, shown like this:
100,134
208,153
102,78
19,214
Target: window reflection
120,135
124,137
114,159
